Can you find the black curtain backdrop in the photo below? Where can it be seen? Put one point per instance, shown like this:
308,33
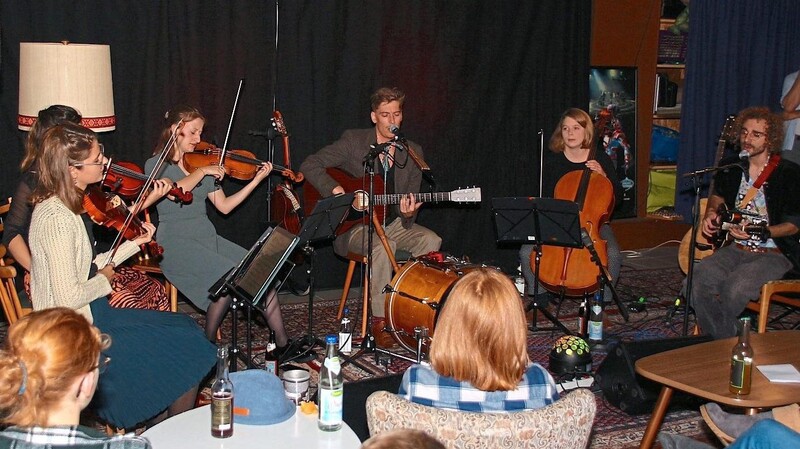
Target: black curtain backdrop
739,52
481,79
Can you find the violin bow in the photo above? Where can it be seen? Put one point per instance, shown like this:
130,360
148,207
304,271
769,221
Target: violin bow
145,189
224,151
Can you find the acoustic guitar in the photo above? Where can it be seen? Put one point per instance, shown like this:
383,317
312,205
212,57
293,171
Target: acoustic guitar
380,199
703,246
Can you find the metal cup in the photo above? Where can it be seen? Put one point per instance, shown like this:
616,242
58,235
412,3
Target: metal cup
295,385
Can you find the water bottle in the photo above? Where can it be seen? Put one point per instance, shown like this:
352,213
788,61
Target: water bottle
222,398
345,333
331,388
596,318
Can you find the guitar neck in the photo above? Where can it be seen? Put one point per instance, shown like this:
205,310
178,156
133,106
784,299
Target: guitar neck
394,198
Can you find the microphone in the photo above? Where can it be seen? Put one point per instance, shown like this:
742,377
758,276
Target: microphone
394,129
375,150
269,134
744,155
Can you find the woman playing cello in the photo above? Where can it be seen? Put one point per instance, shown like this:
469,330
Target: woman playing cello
195,256
570,146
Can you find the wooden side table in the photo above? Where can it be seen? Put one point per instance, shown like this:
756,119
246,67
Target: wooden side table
704,369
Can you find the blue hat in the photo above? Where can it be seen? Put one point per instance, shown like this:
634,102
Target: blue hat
261,393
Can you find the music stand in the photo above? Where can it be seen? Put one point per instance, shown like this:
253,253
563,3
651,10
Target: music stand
537,222
318,227
252,278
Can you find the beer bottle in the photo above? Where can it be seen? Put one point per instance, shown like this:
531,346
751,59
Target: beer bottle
270,358
742,361
582,316
222,398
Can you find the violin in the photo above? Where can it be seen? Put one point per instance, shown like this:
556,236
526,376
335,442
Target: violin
126,180
107,209
239,164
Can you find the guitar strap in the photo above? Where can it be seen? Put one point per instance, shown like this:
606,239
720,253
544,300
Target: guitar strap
762,178
417,160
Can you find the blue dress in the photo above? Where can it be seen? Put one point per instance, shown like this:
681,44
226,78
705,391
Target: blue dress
195,257
155,358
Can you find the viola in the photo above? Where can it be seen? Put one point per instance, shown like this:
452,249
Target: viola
239,164
126,180
572,270
107,209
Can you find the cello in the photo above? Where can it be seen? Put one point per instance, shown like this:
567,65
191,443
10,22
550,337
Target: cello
572,271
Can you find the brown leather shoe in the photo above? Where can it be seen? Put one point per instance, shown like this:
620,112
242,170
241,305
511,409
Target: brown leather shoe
382,338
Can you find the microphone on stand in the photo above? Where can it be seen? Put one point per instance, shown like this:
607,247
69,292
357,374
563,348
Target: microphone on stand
394,129
269,134
744,155
376,149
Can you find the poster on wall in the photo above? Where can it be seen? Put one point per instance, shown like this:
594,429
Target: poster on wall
612,105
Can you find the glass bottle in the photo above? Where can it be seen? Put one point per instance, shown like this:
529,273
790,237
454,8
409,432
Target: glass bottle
345,333
222,398
331,388
596,318
270,357
742,361
582,316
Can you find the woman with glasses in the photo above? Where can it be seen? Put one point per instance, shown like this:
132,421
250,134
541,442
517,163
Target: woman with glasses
131,288
159,357
51,364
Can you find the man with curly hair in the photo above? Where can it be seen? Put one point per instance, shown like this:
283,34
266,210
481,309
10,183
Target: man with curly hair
757,202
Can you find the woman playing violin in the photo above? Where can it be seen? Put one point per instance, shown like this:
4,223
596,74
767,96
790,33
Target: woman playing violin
131,288
570,146
195,256
66,272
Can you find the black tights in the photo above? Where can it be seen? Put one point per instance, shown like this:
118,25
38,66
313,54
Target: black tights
272,313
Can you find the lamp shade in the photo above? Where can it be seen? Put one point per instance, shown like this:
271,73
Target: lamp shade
76,75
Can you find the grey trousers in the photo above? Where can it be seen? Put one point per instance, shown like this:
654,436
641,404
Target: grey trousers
726,281
417,240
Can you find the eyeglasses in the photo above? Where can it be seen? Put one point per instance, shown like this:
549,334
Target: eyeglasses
756,134
100,157
102,364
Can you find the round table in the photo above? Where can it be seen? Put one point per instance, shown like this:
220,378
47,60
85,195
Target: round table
192,429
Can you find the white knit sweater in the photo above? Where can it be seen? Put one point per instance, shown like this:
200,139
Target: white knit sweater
61,256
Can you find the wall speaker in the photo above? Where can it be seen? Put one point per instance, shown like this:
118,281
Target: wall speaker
625,389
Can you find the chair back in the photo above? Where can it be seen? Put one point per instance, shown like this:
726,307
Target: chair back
8,294
565,424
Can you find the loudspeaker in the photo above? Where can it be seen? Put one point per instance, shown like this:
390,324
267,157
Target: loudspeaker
625,389
355,400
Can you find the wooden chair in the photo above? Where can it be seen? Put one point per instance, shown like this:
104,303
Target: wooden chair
355,258
150,265
3,211
8,294
775,292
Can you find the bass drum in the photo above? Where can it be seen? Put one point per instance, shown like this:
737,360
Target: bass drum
418,293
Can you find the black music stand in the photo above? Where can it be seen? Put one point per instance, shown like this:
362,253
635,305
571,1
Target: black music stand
251,279
537,222
319,227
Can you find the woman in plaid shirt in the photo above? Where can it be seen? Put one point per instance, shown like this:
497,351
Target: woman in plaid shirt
479,357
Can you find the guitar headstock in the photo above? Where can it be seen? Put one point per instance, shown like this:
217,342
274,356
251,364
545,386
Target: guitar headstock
278,124
469,195
728,133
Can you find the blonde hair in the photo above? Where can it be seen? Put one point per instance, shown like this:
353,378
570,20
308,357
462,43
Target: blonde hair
181,113
481,335
44,353
386,95
556,144
62,146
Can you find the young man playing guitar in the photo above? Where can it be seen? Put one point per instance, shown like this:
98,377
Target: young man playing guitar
398,173
764,186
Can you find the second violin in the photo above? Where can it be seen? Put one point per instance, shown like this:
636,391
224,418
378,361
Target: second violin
239,164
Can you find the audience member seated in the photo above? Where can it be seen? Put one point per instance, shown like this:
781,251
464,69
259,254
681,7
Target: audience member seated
479,357
49,368
403,439
764,434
